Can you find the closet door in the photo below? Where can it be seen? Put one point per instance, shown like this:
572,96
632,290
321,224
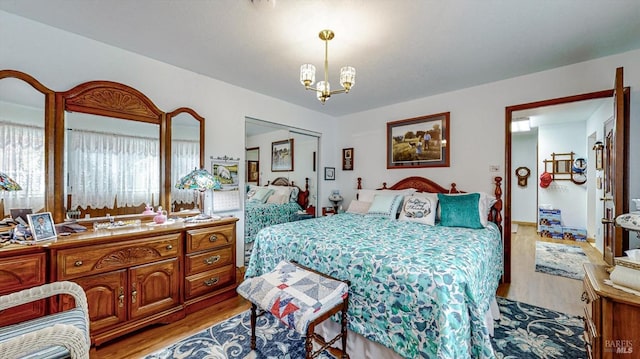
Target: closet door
615,199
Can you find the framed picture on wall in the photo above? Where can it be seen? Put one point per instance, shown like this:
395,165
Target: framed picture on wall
329,173
253,171
282,156
347,159
419,142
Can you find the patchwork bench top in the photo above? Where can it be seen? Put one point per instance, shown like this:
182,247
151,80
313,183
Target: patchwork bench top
294,295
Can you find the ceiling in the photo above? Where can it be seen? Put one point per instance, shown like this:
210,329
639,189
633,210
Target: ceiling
401,50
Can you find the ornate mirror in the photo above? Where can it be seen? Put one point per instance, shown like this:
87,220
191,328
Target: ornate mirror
26,133
113,151
186,130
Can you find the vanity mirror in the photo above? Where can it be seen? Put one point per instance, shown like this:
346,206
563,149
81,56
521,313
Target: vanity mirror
113,152
26,127
186,130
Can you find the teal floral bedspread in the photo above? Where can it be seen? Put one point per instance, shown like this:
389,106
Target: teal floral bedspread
261,215
419,290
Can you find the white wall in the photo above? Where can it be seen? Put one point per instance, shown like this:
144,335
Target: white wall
523,199
564,195
478,123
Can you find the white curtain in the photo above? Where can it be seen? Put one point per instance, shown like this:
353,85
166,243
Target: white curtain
104,166
185,157
22,158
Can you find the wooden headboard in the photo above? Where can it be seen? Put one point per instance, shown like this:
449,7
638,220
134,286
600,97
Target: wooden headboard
303,196
426,185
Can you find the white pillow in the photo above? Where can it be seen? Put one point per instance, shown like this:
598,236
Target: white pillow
251,190
261,195
360,207
278,198
367,195
420,207
385,205
290,192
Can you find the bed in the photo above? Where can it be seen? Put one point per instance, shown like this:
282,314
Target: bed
420,290
260,214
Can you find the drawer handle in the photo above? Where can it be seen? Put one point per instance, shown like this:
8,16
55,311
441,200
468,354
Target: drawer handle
121,298
77,263
213,238
584,297
211,282
169,247
212,259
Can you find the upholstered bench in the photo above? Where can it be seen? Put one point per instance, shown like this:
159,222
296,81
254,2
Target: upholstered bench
301,298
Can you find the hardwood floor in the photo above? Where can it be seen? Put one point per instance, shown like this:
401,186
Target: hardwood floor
553,292
544,290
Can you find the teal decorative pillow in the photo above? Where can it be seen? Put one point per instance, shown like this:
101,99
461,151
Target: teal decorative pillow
460,210
385,205
261,195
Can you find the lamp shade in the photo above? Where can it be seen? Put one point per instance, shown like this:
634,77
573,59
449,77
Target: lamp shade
8,184
629,221
199,179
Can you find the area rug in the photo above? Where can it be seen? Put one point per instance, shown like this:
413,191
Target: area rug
560,259
524,331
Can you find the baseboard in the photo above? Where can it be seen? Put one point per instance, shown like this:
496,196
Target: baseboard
522,223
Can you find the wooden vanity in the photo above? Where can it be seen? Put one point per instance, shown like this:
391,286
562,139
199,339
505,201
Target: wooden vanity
611,319
133,277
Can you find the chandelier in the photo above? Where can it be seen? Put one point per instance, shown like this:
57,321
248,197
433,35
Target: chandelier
323,89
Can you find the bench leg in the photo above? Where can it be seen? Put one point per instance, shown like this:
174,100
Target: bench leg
253,326
344,325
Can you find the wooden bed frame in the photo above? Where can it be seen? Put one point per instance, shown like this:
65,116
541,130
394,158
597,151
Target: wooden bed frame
303,196
426,185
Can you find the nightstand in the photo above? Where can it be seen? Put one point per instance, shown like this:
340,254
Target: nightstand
328,211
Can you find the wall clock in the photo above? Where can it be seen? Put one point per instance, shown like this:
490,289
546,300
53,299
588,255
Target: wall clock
523,174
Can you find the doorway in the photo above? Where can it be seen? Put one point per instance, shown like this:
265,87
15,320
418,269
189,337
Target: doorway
518,113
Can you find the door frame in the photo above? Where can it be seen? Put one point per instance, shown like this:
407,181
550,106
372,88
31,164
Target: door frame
508,170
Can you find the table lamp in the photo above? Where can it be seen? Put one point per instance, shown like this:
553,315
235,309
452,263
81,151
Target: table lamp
7,184
199,180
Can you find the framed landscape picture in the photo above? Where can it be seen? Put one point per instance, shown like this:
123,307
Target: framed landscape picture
419,142
282,156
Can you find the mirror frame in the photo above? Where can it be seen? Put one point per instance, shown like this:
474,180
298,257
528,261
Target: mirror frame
49,131
111,99
167,172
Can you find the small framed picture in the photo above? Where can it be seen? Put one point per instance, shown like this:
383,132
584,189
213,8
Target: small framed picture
329,173
347,159
41,225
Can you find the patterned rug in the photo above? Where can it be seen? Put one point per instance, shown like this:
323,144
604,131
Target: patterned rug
560,259
524,331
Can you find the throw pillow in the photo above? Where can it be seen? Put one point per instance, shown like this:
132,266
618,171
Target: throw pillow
460,210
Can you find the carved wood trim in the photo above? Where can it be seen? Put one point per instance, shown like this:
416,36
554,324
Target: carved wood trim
112,99
126,256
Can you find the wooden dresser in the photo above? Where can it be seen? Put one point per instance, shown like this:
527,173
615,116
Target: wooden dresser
612,317
21,268
133,277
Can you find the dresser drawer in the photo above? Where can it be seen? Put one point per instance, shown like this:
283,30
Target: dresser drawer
22,272
82,261
210,238
17,273
204,261
210,281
